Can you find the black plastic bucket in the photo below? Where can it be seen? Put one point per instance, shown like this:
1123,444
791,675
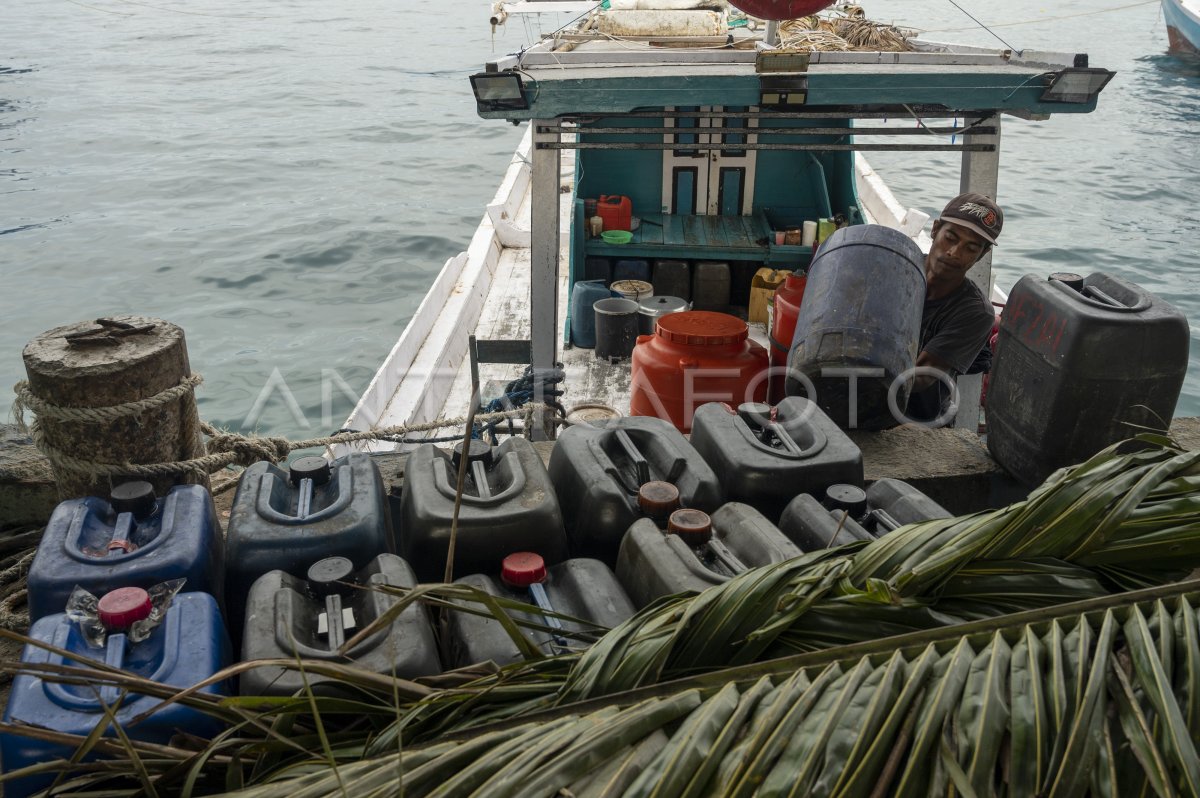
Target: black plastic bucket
616,328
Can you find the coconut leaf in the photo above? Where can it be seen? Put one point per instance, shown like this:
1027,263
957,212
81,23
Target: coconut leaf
1029,721
748,702
506,769
983,715
1188,669
1138,733
1155,680
773,730
613,779
594,748
941,698
873,764
1089,708
861,726
689,748
800,764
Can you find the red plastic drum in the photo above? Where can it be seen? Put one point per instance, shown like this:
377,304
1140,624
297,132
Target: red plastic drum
781,9
783,326
695,357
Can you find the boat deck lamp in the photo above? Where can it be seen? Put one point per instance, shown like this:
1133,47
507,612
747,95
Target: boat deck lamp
1076,85
499,91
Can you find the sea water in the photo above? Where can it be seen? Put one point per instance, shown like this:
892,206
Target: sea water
285,179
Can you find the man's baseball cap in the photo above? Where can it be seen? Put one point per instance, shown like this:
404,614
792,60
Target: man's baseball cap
977,213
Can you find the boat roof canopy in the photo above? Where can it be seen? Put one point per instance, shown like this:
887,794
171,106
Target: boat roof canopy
560,78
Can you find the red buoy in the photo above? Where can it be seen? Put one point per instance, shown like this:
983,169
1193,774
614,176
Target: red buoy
781,9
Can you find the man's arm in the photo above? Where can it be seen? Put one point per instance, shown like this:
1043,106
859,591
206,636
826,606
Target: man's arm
932,361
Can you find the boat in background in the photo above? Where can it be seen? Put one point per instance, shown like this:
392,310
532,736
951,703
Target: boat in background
724,136
1183,25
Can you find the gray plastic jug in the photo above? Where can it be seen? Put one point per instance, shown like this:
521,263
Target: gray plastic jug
696,551
582,588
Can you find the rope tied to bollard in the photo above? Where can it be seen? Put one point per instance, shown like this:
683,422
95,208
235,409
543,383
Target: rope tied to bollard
224,448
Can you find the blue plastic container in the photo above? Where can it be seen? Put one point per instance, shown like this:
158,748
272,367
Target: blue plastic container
581,588
631,270
133,539
287,520
584,294
189,646
312,618
597,269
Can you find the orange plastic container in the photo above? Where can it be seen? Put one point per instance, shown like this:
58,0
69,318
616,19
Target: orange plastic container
693,358
616,211
783,326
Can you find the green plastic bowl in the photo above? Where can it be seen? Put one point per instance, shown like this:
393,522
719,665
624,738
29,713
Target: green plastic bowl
617,236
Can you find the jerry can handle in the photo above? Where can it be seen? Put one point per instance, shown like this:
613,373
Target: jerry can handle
640,463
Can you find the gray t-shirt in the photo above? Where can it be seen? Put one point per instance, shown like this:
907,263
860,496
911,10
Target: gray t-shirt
953,329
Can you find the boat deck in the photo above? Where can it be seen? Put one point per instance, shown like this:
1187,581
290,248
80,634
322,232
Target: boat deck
505,316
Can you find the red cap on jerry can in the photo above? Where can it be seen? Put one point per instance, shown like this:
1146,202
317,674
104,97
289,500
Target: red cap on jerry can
121,608
523,569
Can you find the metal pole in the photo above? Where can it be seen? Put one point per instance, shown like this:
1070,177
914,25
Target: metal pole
980,174
543,288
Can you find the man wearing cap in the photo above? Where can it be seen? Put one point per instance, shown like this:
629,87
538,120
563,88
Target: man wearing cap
957,318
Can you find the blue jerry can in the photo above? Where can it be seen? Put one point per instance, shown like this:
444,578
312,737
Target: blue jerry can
133,539
189,646
287,520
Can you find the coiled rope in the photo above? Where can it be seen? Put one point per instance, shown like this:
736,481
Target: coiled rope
224,448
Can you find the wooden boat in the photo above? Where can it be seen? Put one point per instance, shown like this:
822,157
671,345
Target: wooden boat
721,135
1183,25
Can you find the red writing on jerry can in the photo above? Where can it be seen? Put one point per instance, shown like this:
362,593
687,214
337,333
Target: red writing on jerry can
616,211
1035,323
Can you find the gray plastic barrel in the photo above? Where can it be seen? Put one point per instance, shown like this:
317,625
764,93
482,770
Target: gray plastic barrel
616,328
655,307
859,327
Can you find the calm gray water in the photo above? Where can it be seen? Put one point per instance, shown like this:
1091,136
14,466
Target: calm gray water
284,179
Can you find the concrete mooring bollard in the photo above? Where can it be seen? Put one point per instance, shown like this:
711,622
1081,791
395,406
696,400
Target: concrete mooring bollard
111,392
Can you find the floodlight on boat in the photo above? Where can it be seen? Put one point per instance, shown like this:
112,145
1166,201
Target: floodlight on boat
780,91
1076,85
499,91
